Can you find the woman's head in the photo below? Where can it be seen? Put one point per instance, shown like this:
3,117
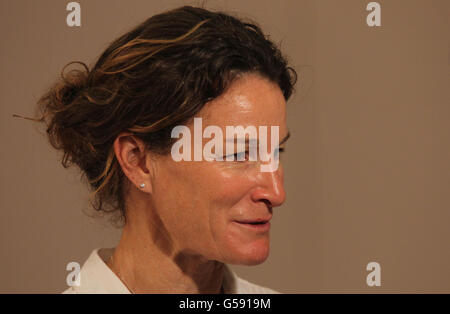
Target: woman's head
211,208
176,65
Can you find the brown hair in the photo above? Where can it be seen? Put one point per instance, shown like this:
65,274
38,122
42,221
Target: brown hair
156,76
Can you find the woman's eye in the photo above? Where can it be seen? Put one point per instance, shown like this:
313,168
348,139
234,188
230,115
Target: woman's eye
239,157
242,156
245,156
279,151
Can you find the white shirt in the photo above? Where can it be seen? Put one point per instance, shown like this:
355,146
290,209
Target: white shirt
97,277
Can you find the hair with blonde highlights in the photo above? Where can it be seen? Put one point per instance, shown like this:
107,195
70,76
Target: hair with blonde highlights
156,76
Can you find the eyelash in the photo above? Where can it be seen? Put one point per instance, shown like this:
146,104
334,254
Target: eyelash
280,150
236,156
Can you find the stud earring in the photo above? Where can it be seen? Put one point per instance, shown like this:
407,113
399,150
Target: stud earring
142,185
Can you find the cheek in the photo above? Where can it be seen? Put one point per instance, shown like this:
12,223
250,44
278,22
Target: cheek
228,196
230,182
219,198
198,201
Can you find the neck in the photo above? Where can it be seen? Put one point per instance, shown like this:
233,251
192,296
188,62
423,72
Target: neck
147,263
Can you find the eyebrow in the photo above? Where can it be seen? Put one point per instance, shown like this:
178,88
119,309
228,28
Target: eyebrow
255,140
288,135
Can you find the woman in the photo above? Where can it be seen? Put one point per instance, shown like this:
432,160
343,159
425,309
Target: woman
183,221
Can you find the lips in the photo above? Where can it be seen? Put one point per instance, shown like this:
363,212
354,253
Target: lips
255,224
253,221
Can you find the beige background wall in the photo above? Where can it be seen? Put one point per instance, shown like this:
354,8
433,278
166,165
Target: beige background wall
367,168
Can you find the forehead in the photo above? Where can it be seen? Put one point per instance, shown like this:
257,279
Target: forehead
249,100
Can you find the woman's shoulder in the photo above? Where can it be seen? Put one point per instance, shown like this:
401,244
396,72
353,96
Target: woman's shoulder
96,277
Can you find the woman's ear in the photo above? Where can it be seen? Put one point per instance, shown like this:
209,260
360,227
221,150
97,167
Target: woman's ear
133,158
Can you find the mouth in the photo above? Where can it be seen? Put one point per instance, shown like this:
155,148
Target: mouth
255,225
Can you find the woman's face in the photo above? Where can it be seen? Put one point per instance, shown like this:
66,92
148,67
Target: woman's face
206,206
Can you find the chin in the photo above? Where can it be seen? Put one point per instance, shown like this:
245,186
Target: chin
254,260
250,254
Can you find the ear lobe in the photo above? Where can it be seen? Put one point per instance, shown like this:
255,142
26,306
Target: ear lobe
131,155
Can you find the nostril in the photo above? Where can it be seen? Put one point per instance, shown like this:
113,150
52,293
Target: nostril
268,204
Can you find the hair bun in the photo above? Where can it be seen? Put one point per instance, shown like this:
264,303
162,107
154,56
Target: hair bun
72,83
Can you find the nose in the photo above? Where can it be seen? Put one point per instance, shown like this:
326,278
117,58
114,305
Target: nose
270,188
